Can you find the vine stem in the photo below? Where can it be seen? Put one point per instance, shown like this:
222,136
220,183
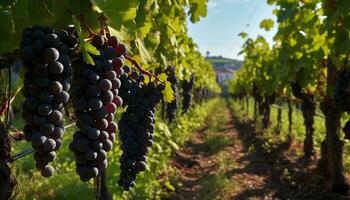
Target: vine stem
82,21
46,8
9,94
141,69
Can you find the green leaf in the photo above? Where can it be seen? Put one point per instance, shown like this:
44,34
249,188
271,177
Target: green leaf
243,34
168,93
85,47
168,185
198,8
91,49
6,31
163,77
145,55
173,144
162,127
267,24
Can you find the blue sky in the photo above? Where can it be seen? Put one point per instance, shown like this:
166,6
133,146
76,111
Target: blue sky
218,32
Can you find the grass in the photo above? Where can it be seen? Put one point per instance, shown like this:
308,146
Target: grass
298,129
214,186
216,142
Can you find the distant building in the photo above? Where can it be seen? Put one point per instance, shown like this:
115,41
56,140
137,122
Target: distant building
223,74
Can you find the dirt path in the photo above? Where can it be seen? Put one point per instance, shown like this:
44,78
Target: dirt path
234,163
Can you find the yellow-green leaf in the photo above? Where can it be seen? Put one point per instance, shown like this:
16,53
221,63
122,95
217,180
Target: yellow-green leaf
163,77
168,93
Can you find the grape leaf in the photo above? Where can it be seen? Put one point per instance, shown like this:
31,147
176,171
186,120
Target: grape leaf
168,93
163,77
85,47
267,24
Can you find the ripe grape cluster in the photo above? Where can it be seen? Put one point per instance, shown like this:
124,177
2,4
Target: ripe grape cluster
46,55
172,106
342,91
95,99
346,130
187,87
136,124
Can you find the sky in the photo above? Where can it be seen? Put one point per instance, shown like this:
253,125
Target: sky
218,31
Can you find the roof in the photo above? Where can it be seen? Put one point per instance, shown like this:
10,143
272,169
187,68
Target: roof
224,70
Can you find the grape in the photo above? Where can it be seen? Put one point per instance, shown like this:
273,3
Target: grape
57,133
95,103
342,91
44,109
346,130
92,100
38,35
47,129
26,34
48,71
47,171
42,82
98,41
121,49
105,85
136,124
32,104
93,134
52,40
187,87
51,54
38,46
110,52
62,97
27,53
82,145
172,106
119,71
63,35
55,116
107,96
117,63
49,145
38,139
116,84
55,68
45,97
113,41
55,88
93,91
111,107
41,70
93,78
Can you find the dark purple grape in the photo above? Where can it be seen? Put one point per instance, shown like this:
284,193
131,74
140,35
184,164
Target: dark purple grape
51,54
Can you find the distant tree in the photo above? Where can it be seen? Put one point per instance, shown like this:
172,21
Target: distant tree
208,54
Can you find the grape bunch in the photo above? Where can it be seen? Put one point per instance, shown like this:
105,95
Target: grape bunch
172,106
46,55
95,99
136,124
342,91
187,87
346,130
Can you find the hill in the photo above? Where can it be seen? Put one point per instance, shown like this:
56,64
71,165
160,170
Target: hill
220,62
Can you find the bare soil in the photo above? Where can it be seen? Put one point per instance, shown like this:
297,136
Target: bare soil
256,172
